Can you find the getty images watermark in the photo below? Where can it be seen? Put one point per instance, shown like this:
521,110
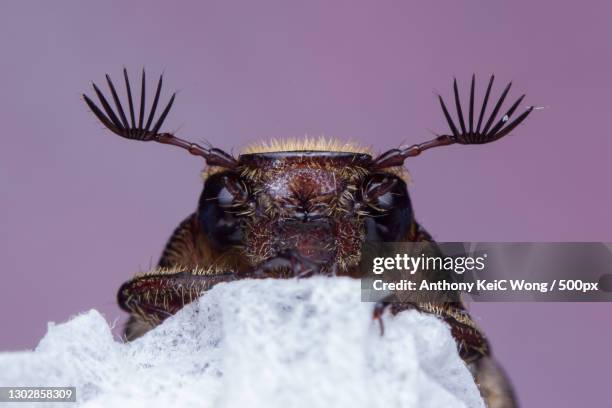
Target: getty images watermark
442,272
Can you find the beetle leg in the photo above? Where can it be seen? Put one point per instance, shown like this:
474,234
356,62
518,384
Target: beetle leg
471,343
153,297
379,310
395,308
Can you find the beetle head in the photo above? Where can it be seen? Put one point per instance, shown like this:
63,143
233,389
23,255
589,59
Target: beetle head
321,204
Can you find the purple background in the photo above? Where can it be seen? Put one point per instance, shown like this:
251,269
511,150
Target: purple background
82,210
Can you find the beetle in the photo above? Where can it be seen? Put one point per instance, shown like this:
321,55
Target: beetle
297,208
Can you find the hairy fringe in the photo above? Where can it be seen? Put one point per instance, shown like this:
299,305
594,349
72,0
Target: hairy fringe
321,143
209,270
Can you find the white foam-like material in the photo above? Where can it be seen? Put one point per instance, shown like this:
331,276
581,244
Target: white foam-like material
256,343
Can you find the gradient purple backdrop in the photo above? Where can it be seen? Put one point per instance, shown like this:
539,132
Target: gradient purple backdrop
82,210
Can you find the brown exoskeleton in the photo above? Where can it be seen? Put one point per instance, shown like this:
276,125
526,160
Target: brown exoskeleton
294,208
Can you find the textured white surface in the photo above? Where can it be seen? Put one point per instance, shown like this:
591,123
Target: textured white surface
264,343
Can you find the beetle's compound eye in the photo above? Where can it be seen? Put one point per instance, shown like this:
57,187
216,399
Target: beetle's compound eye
221,203
388,207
